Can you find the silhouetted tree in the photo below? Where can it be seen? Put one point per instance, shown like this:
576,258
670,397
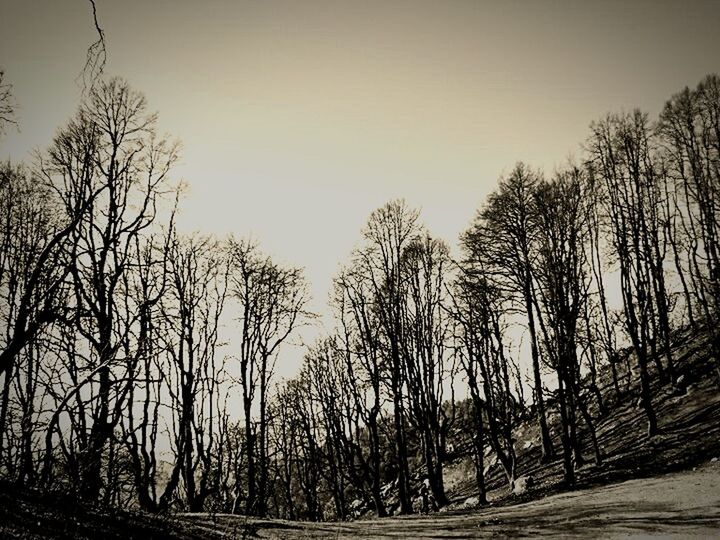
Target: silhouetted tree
360,342
426,263
620,149
109,155
563,285
502,237
690,130
478,307
271,302
191,309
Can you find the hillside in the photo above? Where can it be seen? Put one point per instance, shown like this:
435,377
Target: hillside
689,424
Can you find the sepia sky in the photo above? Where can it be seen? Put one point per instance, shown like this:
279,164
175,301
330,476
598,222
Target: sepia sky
298,118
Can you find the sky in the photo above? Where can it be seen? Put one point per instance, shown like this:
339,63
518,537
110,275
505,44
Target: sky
298,118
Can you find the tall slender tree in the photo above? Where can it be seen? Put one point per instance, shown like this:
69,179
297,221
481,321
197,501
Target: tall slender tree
271,303
502,237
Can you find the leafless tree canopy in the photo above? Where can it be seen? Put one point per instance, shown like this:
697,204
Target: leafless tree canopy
138,365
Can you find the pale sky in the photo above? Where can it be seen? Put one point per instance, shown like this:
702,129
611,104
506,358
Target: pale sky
298,118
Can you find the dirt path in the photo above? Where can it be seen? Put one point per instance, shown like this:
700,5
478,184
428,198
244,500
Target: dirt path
676,505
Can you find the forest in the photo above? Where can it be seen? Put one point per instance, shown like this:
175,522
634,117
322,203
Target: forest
117,384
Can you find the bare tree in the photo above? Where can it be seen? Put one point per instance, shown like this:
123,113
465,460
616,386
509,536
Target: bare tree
308,457
360,336
389,231
283,436
426,263
502,236
109,155
689,128
603,328
478,308
36,229
34,290
191,312
145,285
563,285
333,388
271,303
619,147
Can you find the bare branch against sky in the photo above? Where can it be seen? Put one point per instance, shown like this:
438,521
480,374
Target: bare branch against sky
96,54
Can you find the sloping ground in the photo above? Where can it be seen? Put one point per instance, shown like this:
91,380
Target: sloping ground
689,425
676,505
679,505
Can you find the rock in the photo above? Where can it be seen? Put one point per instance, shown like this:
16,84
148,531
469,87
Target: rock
471,502
527,444
713,460
522,484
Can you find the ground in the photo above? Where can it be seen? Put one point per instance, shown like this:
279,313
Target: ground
679,505
676,505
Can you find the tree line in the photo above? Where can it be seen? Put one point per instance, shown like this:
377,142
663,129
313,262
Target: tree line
116,383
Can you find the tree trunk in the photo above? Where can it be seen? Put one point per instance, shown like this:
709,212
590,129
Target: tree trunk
401,450
548,453
478,453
